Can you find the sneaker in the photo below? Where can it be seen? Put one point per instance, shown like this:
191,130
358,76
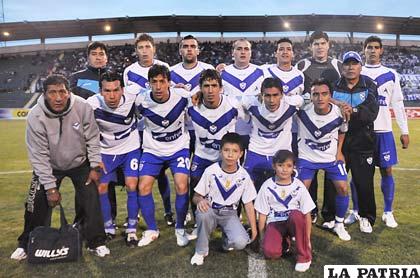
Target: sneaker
314,217
147,237
328,224
341,231
389,220
19,254
181,237
100,251
302,267
352,217
188,218
131,240
193,235
365,226
197,259
169,218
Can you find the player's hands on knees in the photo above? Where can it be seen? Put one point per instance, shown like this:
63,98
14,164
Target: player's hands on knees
203,205
94,175
53,197
405,140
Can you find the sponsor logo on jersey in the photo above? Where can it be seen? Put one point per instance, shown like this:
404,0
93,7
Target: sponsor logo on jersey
318,146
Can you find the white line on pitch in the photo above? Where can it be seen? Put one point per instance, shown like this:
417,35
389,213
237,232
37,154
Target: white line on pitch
15,172
256,267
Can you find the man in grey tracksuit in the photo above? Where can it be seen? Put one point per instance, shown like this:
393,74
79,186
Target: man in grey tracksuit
62,139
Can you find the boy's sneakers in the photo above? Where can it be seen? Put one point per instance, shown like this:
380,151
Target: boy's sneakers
341,232
302,267
131,240
19,254
352,217
198,259
365,226
328,225
169,218
100,251
147,237
181,237
389,220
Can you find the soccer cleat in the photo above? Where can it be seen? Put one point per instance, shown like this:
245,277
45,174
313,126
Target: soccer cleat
100,251
314,217
181,237
147,237
193,235
341,231
131,240
198,259
19,254
365,226
302,267
352,217
328,224
169,218
389,220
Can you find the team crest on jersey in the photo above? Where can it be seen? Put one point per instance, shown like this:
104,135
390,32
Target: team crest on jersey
242,85
239,182
317,133
369,160
188,86
213,128
294,193
128,120
271,126
285,88
387,157
76,125
147,85
362,96
165,123
141,164
194,167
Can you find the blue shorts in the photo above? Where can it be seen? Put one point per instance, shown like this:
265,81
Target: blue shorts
129,163
385,150
198,165
256,163
335,171
151,165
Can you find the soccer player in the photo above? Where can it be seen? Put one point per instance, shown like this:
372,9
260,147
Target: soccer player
165,143
321,135
217,196
291,78
136,73
284,207
359,93
120,147
390,95
320,65
62,139
271,121
241,79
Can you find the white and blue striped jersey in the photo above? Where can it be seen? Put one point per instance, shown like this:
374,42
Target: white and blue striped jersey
211,124
226,189
389,95
318,134
271,131
118,127
292,80
189,77
239,83
164,123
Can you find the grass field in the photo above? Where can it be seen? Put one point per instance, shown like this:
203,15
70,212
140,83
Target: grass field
164,258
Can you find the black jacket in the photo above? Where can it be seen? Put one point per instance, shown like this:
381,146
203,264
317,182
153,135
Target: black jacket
85,83
362,97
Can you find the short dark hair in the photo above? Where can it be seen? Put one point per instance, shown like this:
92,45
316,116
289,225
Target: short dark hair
232,138
156,70
282,155
210,74
110,76
318,35
271,82
284,40
187,37
55,79
322,81
372,39
95,45
144,37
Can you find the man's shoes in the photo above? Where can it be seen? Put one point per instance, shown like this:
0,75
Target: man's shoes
193,235
352,217
389,220
181,237
365,226
131,240
169,218
198,259
302,267
328,224
100,251
341,232
19,254
147,237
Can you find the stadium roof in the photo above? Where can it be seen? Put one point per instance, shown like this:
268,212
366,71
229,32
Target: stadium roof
178,23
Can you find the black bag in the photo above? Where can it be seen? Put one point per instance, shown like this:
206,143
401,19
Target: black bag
50,245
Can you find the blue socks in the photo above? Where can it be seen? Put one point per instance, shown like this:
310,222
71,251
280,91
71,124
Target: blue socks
165,191
106,212
147,207
388,189
132,210
341,205
181,206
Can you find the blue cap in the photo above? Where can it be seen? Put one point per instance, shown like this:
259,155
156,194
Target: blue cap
352,55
